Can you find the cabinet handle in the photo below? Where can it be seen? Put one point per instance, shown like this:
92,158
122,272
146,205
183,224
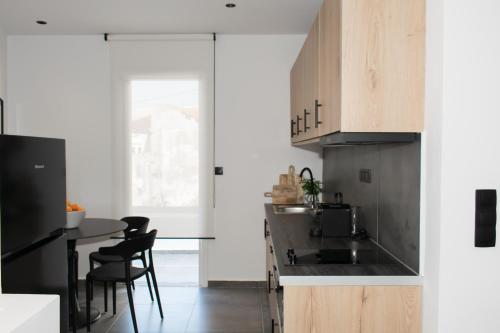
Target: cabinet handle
272,325
269,282
305,120
292,124
266,232
298,125
316,113
271,249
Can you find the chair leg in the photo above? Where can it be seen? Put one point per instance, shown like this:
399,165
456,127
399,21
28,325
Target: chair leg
133,285
76,275
153,276
114,298
143,258
105,297
87,294
149,287
91,262
131,304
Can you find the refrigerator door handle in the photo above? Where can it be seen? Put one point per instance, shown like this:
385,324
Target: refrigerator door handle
11,256
1,116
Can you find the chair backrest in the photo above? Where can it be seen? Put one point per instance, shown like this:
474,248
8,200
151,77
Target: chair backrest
129,247
137,225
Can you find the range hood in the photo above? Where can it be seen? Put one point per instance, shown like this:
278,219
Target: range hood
364,138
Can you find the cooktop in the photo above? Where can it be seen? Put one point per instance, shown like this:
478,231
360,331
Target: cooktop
302,257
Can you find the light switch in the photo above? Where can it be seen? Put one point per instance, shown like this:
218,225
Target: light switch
486,218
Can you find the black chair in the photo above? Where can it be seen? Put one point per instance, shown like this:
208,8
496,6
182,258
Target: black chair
137,225
123,271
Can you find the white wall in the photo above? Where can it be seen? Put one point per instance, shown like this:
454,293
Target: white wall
431,166
253,146
463,112
59,86
469,276
3,64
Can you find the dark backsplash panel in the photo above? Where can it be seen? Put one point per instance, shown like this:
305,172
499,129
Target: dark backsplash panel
390,204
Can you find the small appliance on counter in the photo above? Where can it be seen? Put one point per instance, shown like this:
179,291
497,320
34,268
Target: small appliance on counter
338,220
335,220
357,233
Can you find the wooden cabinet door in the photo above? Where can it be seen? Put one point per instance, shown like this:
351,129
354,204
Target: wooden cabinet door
297,93
383,60
353,309
311,82
328,115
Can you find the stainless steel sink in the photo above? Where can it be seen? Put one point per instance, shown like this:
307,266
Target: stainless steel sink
293,209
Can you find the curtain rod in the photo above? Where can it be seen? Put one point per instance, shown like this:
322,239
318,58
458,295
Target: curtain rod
158,37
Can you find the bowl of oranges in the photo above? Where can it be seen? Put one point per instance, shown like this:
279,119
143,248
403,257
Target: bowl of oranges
75,215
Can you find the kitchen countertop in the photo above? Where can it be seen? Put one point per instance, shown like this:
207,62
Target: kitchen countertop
22,313
292,231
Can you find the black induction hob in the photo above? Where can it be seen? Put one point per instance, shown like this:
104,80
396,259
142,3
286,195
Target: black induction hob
302,257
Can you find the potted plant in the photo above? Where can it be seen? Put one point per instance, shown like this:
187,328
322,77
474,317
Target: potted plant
312,189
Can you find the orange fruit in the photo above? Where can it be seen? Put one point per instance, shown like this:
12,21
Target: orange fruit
75,207
69,209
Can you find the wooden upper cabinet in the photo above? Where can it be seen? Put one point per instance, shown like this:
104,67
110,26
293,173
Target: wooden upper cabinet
329,68
363,63
297,96
383,60
305,87
311,86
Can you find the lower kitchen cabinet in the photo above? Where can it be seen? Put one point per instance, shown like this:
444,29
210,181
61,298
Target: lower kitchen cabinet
274,290
339,308
350,309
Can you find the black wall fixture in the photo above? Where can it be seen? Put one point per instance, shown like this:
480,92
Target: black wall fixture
486,218
1,116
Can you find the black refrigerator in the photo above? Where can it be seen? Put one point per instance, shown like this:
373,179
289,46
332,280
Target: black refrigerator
32,217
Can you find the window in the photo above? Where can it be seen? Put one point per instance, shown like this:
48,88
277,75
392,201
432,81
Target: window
164,144
163,120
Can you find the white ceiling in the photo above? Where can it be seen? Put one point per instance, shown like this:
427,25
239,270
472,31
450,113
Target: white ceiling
157,16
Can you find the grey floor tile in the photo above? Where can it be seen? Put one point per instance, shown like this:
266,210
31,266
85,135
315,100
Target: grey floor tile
186,309
225,318
179,295
176,319
230,296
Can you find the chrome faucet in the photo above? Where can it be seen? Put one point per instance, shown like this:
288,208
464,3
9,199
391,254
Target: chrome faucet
312,179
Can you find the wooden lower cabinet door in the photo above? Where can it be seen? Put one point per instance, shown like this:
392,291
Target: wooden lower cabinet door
352,309
336,309
391,310
297,314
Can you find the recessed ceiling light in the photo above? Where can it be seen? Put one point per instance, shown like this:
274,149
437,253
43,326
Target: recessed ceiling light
230,5
41,22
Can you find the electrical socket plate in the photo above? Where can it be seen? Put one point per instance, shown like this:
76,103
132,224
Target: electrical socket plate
365,176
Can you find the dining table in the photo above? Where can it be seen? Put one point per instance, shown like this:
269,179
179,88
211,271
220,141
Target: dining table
89,228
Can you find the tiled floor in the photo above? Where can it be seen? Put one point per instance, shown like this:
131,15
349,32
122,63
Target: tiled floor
187,309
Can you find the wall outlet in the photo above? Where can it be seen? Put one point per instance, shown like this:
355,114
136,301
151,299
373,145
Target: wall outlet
365,175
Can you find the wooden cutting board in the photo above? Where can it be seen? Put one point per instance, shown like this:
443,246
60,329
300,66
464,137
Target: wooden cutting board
289,190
